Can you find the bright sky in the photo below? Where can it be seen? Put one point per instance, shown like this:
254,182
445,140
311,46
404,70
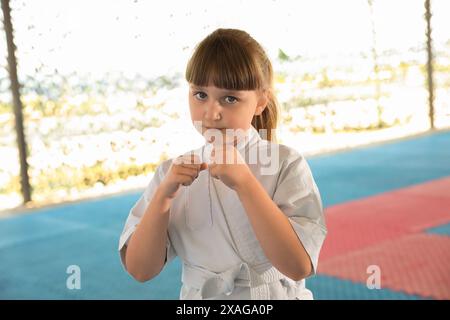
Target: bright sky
156,37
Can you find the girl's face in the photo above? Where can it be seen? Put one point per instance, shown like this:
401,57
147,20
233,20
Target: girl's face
236,108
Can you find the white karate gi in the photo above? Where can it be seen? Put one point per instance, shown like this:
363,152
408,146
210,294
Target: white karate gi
222,259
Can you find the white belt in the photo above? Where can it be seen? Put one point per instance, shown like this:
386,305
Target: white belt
211,284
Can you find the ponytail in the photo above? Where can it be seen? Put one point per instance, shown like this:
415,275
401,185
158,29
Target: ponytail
268,119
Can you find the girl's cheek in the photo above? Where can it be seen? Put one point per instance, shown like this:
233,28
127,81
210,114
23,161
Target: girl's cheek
198,114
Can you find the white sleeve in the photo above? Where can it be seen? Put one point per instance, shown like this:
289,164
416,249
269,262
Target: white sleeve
298,197
137,212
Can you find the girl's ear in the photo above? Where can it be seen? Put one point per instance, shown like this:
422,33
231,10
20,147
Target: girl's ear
263,100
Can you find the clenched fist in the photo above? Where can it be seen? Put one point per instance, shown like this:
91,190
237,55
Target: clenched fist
183,171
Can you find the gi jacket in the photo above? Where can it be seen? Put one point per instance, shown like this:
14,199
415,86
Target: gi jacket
210,232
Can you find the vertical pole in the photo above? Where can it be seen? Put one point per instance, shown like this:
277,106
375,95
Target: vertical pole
15,89
429,64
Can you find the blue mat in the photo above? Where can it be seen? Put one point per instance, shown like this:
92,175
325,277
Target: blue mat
372,170
443,230
331,288
37,248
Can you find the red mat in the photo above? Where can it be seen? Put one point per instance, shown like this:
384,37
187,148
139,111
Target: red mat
416,264
387,230
358,224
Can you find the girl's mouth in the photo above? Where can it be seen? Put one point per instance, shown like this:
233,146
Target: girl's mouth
214,128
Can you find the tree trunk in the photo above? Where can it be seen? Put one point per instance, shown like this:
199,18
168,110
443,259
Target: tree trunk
17,104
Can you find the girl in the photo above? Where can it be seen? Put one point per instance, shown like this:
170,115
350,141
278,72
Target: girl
241,229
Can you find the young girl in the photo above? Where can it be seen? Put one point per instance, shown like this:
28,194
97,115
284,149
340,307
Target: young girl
241,229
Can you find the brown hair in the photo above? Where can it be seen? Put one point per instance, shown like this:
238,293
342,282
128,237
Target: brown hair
231,59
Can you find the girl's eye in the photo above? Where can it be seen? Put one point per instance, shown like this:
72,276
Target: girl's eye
200,95
230,99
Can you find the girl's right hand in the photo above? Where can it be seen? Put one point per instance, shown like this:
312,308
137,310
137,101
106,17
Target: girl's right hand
183,171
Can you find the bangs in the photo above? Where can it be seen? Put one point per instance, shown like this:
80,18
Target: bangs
225,63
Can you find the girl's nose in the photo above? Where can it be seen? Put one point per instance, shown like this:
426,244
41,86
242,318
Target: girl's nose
212,111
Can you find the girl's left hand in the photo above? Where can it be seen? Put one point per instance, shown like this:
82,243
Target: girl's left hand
228,165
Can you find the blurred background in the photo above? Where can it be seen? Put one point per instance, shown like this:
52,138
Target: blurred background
104,101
